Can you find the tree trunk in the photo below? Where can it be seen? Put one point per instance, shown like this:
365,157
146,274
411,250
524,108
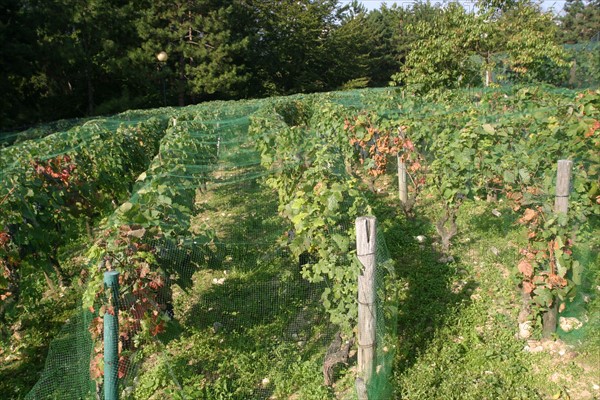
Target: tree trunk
446,228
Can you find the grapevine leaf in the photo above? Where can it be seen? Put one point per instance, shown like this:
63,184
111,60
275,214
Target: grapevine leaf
525,268
524,175
509,176
528,287
489,129
543,296
126,207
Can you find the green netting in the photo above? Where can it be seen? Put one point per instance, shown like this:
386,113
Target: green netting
215,296
69,356
233,316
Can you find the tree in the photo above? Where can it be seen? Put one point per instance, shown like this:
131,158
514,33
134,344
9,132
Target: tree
528,39
291,45
441,54
461,48
204,52
15,67
580,21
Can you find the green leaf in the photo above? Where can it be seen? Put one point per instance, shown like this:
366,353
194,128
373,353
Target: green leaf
164,199
543,296
561,264
509,177
524,175
343,242
489,129
332,202
126,207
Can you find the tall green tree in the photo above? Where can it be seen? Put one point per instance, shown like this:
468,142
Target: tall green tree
440,55
199,37
580,21
291,45
461,48
16,52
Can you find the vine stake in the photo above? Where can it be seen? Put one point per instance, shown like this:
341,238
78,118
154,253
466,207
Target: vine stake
561,205
111,337
366,250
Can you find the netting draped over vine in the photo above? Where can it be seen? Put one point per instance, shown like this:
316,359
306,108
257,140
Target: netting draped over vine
203,249
235,242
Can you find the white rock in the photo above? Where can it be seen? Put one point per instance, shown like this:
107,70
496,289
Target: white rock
569,324
525,330
265,382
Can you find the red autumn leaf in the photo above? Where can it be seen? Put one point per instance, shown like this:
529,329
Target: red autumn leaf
528,287
525,268
158,328
123,364
556,280
4,238
593,129
528,216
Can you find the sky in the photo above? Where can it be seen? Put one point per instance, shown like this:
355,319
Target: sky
556,5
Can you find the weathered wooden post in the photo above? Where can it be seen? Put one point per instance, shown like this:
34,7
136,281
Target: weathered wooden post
402,184
366,250
563,185
111,337
561,206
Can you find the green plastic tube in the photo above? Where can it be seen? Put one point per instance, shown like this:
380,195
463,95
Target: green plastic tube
111,337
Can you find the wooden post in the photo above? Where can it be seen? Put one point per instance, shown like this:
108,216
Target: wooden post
402,184
366,249
111,337
561,205
563,184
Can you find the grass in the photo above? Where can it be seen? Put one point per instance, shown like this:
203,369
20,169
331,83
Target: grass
248,327
259,334
457,321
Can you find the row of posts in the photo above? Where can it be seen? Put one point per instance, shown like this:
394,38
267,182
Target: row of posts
366,250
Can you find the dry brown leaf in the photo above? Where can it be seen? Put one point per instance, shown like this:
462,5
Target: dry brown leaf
525,268
528,216
528,287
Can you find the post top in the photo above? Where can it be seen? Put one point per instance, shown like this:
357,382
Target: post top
111,276
366,235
